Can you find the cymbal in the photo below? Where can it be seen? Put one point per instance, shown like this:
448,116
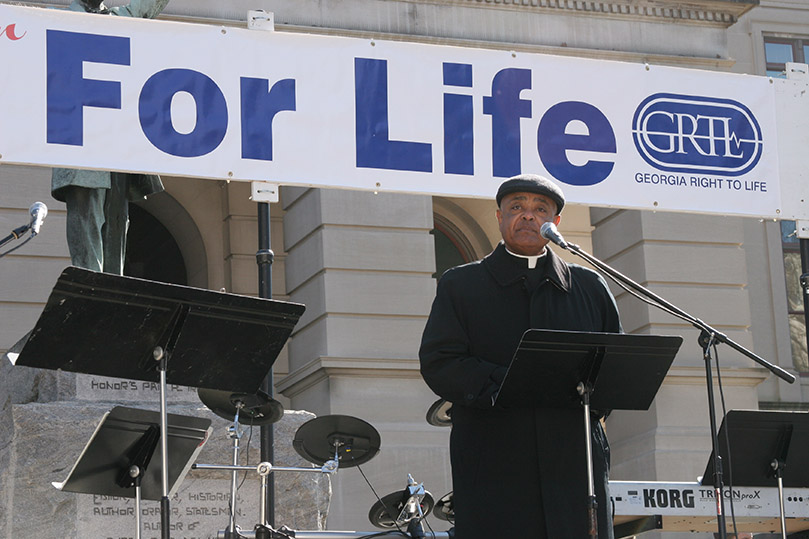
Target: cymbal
254,408
444,509
383,513
440,413
356,440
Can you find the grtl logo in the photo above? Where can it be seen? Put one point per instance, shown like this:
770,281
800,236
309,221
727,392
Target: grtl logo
683,133
10,32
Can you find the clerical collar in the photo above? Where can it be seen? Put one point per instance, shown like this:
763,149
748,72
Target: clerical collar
532,260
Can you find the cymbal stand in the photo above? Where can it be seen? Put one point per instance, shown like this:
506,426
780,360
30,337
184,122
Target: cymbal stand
264,469
235,434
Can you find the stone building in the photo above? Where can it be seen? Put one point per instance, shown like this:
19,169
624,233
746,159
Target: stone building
365,263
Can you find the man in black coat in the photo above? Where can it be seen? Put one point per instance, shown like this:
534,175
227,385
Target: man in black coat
517,473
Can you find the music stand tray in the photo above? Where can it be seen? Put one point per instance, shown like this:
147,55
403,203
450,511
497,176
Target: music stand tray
108,325
757,437
624,371
574,369
108,453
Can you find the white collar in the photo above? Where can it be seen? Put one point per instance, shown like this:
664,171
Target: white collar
532,260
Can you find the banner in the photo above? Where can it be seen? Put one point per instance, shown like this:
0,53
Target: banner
113,93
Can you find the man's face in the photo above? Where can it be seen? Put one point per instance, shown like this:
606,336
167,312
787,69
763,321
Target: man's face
520,215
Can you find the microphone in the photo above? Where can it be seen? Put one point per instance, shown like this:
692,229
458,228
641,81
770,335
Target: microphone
549,232
38,211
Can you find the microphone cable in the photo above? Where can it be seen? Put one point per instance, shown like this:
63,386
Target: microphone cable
388,511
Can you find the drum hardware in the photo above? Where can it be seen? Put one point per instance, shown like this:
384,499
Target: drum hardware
332,441
261,409
444,508
404,508
440,413
332,534
345,439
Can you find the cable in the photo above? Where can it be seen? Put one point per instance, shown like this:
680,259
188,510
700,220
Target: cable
380,534
387,509
378,498
628,285
432,531
247,455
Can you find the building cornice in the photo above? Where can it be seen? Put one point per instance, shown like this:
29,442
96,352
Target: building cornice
325,367
712,12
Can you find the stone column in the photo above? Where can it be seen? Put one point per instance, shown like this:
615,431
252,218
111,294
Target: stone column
699,265
362,264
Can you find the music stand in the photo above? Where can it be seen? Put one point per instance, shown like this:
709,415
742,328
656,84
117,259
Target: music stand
109,325
118,455
568,369
765,447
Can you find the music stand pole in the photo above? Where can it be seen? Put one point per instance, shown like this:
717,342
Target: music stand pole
584,390
777,466
779,462
136,473
706,341
161,356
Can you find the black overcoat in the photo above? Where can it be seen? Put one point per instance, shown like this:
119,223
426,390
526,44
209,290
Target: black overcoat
517,473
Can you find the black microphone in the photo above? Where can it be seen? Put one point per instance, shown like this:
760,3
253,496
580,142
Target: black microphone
38,211
549,232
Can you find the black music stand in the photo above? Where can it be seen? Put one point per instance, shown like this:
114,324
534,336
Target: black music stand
568,369
109,325
117,460
766,447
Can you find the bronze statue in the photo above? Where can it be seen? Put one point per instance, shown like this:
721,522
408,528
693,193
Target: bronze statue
98,201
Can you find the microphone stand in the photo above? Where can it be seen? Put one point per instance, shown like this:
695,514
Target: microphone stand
708,337
15,234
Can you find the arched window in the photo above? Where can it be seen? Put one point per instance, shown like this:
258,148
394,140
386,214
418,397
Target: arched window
450,247
458,236
151,251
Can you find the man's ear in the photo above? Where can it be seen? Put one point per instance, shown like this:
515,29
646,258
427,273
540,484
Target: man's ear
499,216
557,220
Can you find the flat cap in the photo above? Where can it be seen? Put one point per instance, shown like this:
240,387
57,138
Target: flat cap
532,183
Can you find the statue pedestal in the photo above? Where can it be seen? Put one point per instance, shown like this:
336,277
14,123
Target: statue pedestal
47,438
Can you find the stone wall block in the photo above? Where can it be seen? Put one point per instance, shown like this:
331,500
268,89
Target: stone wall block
50,437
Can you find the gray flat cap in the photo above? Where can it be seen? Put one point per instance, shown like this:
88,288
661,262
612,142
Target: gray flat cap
532,183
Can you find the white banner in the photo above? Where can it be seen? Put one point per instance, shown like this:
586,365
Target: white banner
105,92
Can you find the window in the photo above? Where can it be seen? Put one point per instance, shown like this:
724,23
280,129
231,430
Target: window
778,51
451,247
792,269
152,252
